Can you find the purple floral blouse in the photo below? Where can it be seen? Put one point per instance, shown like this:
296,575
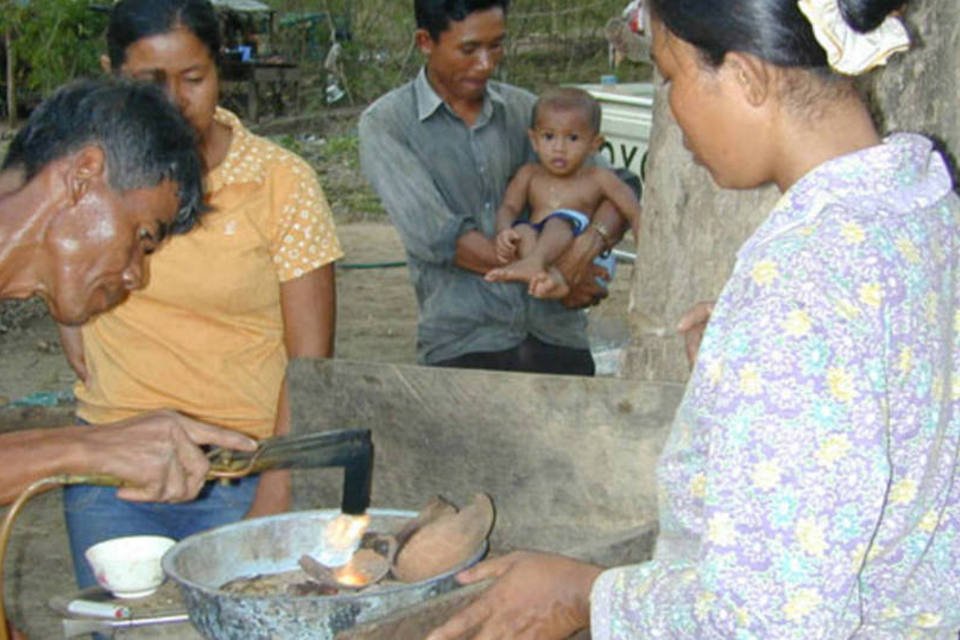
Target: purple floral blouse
809,486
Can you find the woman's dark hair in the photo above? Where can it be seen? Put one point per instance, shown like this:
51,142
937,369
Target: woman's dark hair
133,20
772,30
436,15
866,15
144,138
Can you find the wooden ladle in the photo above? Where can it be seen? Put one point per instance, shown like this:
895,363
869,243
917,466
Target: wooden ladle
365,567
445,541
437,507
386,544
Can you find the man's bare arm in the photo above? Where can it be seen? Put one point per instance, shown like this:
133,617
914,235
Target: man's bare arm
157,455
574,270
514,198
623,199
476,252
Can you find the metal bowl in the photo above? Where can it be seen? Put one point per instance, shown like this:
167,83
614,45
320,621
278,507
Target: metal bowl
201,563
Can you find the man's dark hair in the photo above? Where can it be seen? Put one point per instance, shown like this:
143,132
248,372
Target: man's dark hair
143,136
436,15
133,20
569,99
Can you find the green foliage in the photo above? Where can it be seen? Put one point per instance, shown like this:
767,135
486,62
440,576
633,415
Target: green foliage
54,41
346,145
339,147
549,42
290,143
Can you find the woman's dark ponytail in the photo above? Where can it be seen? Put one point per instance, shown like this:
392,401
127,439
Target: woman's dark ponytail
866,15
773,30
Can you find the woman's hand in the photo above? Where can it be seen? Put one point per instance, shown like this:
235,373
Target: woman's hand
692,325
535,595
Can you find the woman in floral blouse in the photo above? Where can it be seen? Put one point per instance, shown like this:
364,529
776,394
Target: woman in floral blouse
808,489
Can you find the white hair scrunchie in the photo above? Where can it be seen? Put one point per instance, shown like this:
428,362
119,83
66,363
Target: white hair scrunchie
848,51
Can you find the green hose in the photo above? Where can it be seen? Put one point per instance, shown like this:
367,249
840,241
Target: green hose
372,265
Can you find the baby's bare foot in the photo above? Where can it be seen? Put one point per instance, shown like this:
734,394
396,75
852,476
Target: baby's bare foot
519,271
549,284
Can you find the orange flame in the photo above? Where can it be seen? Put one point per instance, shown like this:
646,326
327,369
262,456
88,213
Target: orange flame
341,537
348,575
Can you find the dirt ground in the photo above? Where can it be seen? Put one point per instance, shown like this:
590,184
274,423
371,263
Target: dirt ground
376,321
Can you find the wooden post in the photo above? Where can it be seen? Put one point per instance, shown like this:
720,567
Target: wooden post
554,22
11,88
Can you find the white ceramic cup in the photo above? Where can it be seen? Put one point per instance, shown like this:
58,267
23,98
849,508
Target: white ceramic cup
129,567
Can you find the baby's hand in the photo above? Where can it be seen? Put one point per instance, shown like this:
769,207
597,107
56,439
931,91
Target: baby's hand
506,246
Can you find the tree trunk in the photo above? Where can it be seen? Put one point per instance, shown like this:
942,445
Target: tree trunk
919,90
691,230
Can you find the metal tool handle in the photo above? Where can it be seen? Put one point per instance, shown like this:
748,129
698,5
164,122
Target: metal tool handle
74,627
351,449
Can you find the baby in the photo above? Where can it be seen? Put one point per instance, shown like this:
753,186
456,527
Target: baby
561,190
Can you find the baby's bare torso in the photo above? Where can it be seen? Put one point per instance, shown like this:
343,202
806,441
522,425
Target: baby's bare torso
547,193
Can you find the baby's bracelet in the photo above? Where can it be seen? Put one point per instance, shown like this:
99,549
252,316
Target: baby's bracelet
604,234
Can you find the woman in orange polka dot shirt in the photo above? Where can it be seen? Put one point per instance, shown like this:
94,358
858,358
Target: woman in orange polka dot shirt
225,307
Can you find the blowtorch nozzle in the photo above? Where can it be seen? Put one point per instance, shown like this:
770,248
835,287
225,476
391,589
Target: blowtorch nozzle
351,449
357,473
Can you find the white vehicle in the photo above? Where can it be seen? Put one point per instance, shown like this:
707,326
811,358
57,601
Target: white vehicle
627,116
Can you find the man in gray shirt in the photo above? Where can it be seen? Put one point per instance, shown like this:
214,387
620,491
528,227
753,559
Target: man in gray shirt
440,151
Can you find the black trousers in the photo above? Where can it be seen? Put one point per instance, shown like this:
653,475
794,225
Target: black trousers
531,356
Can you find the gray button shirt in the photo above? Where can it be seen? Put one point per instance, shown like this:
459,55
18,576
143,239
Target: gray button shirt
439,178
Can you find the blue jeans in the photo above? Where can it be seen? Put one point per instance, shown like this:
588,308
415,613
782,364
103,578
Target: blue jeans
94,514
